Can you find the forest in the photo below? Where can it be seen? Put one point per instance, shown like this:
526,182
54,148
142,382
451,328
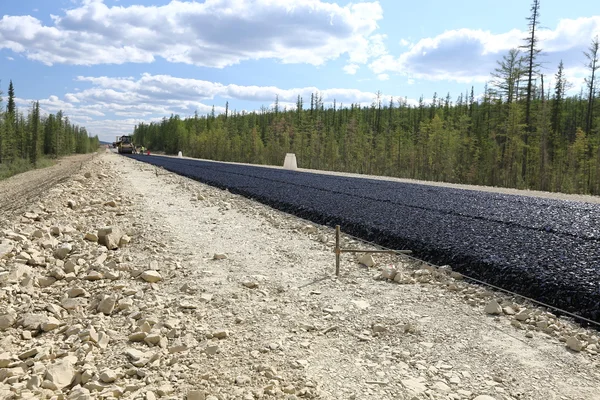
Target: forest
30,141
520,133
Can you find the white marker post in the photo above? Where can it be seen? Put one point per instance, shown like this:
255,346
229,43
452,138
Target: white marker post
290,161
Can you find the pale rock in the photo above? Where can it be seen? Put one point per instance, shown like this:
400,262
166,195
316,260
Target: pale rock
61,373
196,395
108,375
242,380
366,260
414,386
103,340
574,344
522,315
32,322
7,321
484,397
107,305
55,231
76,292
378,328
361,304
5,359
493,308
72,204
50,325
210,350
219,256
29,353
110,237
221,334
152,339
62,251
151,276
124,240
206,298
91,237
389,272
46,281
134,354
34,382
165,390
71,268
94,275
441,387
250,284
137,336
57,273
87,175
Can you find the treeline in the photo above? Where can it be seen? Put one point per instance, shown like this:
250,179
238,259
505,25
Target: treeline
520,134
30,138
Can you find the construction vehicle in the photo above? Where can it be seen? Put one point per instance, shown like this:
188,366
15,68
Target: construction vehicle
125,144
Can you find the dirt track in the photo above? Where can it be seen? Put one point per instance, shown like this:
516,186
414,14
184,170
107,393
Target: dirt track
19,191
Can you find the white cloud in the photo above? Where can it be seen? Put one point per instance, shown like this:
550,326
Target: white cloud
383,77
351,69
467,55
150,97
10,59
213,33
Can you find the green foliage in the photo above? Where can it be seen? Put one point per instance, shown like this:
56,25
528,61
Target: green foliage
463,142
21,165
25,140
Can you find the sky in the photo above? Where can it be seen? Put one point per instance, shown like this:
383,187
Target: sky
111,64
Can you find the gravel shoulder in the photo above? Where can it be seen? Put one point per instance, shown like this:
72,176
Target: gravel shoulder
212,296
19,190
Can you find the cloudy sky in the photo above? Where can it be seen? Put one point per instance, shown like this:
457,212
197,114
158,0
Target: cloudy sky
110,64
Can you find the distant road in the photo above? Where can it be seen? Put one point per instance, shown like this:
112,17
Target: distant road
543,248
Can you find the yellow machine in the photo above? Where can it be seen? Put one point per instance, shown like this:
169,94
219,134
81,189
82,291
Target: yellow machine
125,145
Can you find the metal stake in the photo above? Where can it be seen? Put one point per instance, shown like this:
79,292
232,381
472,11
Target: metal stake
337,250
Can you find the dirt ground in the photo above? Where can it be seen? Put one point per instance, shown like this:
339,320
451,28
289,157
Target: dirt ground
20,190
249,308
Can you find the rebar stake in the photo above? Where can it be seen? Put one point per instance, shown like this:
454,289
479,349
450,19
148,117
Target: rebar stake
337,250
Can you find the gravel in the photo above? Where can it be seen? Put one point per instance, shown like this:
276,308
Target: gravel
541,248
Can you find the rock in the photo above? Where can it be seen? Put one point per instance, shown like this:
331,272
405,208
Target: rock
111,203
522,315
134,354
32,322
151,276
110,237
72,204
242,380
389,272
493,308
124,240
50,325
29,353
414,386
93,276
250,284
107,305
221,334
76,292
91,237
378,328
88,175
196,395
484,397
108,375
5,359
63,251
219,256
61,373
574,344
7,321
211,350
46,281
366,260
441,387
361,304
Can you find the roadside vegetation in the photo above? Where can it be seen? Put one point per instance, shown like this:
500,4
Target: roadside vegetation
34,140
521,133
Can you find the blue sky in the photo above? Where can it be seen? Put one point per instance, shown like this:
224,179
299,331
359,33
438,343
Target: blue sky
111,64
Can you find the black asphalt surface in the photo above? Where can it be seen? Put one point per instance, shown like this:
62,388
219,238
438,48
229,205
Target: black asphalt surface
545,249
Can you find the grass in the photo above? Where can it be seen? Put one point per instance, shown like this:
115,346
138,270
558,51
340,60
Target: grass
20,165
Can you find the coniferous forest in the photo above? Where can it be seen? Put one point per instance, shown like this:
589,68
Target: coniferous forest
27,140
521,133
